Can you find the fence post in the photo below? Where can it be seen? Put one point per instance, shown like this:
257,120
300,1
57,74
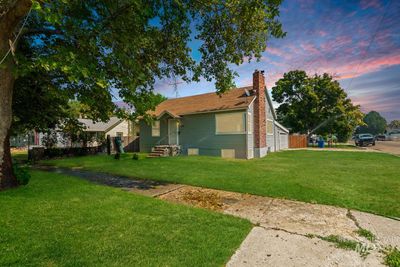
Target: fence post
108,144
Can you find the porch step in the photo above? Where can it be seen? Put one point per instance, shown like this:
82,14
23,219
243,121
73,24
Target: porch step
164,151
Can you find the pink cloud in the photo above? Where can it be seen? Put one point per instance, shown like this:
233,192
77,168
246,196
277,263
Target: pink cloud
322,33
373,102
358,68
276,52
310,48
370,4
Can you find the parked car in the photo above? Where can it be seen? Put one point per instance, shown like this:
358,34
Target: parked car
364,140
394,135
381,137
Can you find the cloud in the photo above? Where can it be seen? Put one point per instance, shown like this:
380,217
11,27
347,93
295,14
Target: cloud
343,38
364,4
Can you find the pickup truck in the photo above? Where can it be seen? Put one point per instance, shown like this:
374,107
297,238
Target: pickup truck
364,140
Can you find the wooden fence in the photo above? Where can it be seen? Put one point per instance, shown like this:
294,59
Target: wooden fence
131,143
298,141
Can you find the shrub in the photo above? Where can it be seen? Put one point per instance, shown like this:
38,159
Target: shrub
135,156
22,174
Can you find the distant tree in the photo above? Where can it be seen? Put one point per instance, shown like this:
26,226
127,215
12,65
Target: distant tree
95,49
394,124
315,104
375,123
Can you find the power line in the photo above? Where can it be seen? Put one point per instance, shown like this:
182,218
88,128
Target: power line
16,38
371,41
175,84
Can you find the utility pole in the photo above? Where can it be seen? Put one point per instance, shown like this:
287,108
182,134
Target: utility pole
175,84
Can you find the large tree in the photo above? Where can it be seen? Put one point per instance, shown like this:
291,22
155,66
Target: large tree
374,123
315,104
394,124
95,48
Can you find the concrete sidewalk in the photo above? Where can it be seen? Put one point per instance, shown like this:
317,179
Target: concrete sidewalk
286,232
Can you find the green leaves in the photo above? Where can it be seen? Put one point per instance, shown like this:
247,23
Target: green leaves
374,123
94,50
36,6
316,103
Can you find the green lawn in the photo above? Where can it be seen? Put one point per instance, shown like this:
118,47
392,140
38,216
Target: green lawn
58,220
360,180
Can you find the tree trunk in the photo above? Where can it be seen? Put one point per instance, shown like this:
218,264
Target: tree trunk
7,178
8,23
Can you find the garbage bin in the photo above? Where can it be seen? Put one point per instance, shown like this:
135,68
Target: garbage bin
321,143
118,144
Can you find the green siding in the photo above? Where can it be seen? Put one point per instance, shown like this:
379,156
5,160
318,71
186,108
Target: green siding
196,131
147,141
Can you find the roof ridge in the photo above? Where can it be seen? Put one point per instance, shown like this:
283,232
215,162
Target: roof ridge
236,88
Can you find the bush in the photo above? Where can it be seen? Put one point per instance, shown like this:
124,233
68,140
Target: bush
135,156
39,153
22,174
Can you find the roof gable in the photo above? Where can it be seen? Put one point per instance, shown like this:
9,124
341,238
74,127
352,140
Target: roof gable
100,126
270,104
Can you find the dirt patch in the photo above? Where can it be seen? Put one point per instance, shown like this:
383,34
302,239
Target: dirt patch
203,198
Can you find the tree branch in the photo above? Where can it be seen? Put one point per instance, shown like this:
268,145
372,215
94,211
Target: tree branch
42,31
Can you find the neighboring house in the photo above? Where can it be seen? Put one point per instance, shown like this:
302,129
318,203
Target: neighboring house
114,127
238,124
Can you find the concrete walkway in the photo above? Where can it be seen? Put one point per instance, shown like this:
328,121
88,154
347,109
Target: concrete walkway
286,232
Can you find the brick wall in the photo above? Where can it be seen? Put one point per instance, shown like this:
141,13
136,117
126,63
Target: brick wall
259,110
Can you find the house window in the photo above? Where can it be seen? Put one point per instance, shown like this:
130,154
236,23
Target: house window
155,128
230,123
120,134
193,151
228,153
270,127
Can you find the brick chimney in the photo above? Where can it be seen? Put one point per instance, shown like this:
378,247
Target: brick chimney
260,131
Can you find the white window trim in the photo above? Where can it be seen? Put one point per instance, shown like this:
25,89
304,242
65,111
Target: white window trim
230,133
159,129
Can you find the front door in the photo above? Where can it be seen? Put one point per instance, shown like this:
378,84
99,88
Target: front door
173,129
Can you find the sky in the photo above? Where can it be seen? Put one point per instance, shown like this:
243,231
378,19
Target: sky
357,41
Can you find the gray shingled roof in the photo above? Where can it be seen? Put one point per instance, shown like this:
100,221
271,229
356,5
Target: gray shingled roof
100,126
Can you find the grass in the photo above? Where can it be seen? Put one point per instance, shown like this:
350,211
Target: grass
367,234
340,145
364,181
347,244
341,242
392,257
58,220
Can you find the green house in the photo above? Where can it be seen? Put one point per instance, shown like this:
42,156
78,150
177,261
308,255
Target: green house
239,124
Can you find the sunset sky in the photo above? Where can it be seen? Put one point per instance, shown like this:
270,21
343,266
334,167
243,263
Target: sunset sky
357,41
